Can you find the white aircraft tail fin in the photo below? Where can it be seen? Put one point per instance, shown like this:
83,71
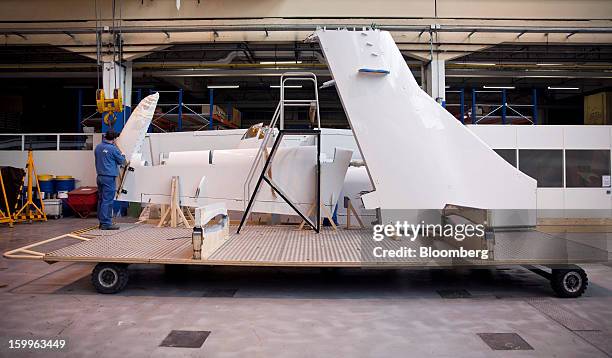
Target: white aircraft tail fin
133,133
417,154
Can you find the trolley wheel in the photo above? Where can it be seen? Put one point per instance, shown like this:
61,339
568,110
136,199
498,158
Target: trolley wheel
569,283
109,277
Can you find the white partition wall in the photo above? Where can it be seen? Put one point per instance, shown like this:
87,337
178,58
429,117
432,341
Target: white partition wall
583,190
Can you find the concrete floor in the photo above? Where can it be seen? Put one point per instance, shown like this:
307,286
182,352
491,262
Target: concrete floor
265,312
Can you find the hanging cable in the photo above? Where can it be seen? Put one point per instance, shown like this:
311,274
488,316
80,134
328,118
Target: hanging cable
98,40
121,45
114,36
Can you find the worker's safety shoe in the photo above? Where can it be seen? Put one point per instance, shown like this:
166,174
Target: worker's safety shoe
112,227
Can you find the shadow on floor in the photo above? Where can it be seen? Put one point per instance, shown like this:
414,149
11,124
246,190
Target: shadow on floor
200,281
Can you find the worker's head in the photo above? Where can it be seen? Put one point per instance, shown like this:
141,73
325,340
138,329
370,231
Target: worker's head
110,136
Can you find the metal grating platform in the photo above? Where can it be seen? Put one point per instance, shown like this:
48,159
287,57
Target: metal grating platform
256,245
288,246
538,247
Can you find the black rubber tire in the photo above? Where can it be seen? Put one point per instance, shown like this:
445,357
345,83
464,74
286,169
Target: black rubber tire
569,283
109,278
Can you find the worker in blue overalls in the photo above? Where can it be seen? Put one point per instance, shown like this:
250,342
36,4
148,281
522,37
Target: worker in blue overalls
108,158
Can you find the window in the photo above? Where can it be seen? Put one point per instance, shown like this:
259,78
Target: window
509,155
585,168
10,142
41,142
543,165
76,142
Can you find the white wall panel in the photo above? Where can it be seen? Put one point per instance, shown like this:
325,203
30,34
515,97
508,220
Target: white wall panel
588,198
586,137
540,137
550,198
496,136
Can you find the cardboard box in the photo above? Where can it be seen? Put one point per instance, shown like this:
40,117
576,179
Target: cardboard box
598,108
236,117
218,112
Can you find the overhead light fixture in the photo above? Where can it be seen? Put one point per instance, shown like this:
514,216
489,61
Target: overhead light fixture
222,86
549,64
563,88
286,86
447,87
279,62
475,63
499,87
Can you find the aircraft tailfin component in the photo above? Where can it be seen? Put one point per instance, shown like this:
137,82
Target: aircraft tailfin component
133,133
418,155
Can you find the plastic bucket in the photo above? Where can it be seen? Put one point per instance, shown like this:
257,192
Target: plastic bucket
64,183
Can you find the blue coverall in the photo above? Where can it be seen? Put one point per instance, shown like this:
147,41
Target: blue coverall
108,158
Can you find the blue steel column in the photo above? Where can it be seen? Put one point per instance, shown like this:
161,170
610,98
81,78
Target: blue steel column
535,105
127,111
503,106
229,112
462,105
473,106
210,107
180,109
79,110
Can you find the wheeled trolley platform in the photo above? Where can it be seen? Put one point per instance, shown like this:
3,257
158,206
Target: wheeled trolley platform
287,246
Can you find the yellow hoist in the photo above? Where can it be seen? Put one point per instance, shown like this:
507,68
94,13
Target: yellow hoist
109,107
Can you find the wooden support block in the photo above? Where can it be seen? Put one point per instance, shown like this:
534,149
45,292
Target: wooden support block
350,209
310,210
173,212
325,213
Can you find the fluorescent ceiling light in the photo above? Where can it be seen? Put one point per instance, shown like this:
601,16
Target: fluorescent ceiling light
564,88
475,63
286,86
279,62
223,86
499,87
447,87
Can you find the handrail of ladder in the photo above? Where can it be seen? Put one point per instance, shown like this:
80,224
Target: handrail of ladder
298,76
264,143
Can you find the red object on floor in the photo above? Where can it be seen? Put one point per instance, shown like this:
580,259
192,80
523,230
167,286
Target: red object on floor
83,200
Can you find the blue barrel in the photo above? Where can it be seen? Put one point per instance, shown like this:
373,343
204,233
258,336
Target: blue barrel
46,184
64,183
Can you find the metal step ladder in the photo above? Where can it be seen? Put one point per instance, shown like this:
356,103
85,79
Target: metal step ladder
271,132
